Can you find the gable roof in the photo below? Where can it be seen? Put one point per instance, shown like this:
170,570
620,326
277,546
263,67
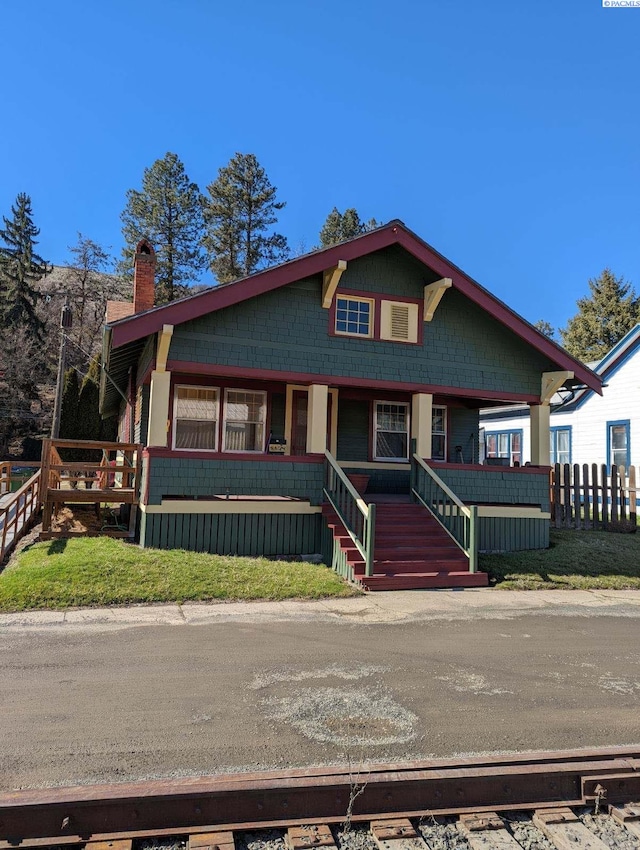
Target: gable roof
130,330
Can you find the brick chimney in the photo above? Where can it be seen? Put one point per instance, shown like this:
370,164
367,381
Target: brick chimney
144,274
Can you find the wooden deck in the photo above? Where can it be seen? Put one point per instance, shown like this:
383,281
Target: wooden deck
113,479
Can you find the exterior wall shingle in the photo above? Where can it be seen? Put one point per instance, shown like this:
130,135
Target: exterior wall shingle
287,330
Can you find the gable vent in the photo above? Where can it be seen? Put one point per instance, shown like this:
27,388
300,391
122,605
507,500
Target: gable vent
399,321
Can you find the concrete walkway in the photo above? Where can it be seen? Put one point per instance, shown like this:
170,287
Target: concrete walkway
374,608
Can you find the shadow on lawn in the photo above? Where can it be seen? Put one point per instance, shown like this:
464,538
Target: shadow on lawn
57,546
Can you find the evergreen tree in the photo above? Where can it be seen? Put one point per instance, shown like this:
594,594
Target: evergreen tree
545,328
603,318
20,401
239,213
168,212
339,227
80,416
20,268
69,409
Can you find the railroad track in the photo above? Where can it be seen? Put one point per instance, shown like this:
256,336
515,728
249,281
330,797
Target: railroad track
532,801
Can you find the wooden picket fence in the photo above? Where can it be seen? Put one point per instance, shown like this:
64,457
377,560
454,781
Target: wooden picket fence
588,496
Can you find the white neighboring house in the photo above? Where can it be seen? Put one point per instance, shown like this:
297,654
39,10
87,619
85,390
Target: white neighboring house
585,427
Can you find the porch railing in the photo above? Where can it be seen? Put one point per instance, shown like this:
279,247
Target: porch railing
460,521
17,511
358,517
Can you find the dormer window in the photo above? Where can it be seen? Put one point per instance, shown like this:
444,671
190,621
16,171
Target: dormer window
354,316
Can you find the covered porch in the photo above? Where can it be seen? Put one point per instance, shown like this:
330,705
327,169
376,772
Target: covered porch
237,466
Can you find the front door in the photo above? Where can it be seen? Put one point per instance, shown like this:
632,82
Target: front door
300,401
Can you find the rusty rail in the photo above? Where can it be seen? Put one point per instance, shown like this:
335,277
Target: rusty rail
271,799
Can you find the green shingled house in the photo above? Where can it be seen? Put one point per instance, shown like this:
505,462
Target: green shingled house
330,405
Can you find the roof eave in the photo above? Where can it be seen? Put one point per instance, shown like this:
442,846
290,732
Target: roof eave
395,233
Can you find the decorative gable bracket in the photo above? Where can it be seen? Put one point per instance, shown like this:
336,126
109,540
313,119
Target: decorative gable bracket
433,295
164,340
551,383
330,280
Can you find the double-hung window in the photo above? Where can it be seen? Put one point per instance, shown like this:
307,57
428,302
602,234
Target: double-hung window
244,421
504,444
618,443
438,433
391,429
354,316
560,444
195,418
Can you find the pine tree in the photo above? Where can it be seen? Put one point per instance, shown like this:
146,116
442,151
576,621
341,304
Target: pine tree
20,268
239,213
69,409
168,212
20,401
603,318
545,328
339,227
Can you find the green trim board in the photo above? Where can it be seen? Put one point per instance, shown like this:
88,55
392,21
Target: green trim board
233,534
235,505
512,534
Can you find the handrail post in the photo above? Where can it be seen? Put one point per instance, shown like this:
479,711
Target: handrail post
371,537
413,471
473,539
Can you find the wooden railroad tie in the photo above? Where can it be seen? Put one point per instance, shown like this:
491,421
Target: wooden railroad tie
487,831
211,841
566,831
397,834
309,836
628,815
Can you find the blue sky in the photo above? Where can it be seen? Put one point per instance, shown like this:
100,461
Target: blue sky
507,134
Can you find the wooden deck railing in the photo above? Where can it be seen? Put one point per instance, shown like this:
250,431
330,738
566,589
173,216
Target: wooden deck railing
591,497
15,473
17,512
358,517
460,521
109,475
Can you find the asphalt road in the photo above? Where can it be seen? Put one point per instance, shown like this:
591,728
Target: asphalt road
98,705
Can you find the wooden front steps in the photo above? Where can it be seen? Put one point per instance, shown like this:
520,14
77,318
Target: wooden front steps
411,550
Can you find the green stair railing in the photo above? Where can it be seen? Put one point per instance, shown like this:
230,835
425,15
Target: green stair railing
358,517
460,521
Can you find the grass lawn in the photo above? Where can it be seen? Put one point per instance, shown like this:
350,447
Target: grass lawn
575,560
103,571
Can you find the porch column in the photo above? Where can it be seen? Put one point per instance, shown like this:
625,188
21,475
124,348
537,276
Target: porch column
540,430
158,430
421,413
317,419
